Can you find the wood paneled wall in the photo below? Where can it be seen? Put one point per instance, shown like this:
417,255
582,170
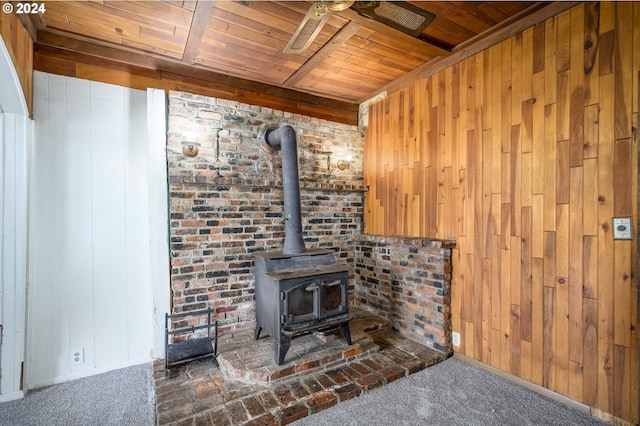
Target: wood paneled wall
523,153
20,47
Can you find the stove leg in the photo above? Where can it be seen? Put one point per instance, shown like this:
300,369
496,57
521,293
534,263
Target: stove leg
281,348
346,333
258,330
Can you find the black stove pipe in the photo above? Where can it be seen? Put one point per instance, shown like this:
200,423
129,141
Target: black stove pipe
284,138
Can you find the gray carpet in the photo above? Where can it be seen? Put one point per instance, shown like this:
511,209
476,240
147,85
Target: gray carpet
450,393
121,397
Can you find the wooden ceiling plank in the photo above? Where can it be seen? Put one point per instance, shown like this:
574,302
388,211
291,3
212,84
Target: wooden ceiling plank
509,8
158,34
334,44
460,17
162,49
241,67
155,13
489,14
361,57
361,66
414,49
245,38
266,24
355,77
320,85
199,24
443,35
244,24
386,53
93,16
149,61
435,7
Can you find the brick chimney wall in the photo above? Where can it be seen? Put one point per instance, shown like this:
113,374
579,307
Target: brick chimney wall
407,281
227,204
218,222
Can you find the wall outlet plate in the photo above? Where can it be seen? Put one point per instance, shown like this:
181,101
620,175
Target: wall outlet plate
455,336
622,229
77,356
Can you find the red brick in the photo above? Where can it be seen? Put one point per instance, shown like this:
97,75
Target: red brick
325,380
283,394
371,381
293,413
352,351
264,420
393,373
313,385
207,390
253,406
309,364
321,401
338,376
331,358
237,412
414,365
298,390
212,417
351,373
360,368
268,400
289,371
177,397
371,364
348,391
207,404
175,413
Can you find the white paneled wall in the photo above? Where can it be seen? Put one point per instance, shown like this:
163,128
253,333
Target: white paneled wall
15,138
90,230
16,130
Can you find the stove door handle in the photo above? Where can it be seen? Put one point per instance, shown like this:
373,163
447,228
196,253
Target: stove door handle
333,283
311,287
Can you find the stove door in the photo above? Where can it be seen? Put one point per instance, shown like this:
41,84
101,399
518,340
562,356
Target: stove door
315,298
332,297
300,302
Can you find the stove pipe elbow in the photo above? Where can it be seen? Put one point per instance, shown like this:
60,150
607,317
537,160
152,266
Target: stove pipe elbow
284,139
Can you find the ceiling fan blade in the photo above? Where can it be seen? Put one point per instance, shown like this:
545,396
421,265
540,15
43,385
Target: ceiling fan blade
308,29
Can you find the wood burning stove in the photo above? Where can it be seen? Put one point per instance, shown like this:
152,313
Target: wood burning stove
297,290
299,293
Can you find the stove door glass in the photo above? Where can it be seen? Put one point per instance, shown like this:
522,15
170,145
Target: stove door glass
331,297
300,302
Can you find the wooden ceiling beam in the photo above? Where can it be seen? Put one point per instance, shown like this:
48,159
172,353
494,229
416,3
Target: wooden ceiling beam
199,23
334,44
151,62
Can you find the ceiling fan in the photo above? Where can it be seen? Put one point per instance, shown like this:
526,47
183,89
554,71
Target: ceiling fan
400,15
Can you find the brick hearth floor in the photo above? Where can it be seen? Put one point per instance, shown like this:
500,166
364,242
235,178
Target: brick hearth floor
320,371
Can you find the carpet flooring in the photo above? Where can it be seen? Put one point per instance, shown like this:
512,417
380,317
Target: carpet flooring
450,393
123,397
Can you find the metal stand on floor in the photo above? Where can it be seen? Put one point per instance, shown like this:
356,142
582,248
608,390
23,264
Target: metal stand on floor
192,349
